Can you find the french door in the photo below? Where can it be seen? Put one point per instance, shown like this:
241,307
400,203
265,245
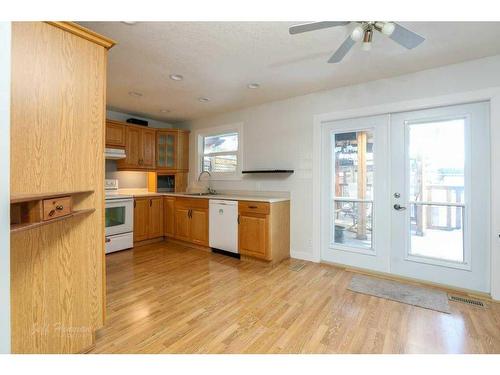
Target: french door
408,194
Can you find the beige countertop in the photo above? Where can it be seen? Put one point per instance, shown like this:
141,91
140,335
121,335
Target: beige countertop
240,196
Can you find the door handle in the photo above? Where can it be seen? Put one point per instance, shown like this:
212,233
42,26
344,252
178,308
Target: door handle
150,202
398,207
238,219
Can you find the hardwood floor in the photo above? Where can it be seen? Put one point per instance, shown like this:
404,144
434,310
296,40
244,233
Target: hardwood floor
166,298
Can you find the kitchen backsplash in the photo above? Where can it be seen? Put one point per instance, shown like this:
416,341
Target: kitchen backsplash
126,179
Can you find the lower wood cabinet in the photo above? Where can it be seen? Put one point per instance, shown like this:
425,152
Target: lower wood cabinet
191,220
264,230
148,218
168,216
253,235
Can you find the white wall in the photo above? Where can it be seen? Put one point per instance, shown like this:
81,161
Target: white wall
5,187
280,134
123,116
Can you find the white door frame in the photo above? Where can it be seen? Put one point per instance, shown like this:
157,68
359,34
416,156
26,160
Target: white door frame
377,258
492,95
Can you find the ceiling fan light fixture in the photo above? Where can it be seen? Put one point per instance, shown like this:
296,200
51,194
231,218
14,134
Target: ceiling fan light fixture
388,28
357,34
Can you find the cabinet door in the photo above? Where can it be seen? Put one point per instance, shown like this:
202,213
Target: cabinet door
253,235
182,224
141,218
168,216
166,148
183,151
155,227
148,148
181,182
199,226
132,148
115,134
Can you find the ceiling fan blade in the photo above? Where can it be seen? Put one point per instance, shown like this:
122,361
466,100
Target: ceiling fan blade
302,28
405,37
342,50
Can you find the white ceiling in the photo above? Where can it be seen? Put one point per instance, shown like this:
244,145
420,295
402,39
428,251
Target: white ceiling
219,59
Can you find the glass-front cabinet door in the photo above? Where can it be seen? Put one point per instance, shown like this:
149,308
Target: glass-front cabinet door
166,150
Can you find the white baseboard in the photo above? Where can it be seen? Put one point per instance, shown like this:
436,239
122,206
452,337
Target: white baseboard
303,255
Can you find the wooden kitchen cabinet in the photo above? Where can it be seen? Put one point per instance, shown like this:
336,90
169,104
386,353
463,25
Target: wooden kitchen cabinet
172,150
148,146
57,97
169,216
252,234
199,226
115,134
191,220
141,218
140,144
155,217
264,230
148,218
183,223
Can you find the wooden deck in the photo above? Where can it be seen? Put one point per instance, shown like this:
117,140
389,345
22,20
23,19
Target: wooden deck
166,298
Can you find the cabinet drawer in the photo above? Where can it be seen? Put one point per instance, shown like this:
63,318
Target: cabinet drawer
56,207
256,207
191,203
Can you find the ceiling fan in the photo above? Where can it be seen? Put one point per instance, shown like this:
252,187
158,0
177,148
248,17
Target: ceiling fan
363,32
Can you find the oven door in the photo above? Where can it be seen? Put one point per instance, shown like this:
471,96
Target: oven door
119,216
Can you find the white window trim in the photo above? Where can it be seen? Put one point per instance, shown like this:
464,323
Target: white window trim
200,134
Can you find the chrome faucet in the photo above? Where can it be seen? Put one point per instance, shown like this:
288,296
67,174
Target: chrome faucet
210,190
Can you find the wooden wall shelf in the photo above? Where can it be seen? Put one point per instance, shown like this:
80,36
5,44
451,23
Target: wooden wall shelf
27,226
28,211
34,197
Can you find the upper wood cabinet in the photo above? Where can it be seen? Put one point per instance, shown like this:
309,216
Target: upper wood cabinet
148,148
139,148
115,134
172,150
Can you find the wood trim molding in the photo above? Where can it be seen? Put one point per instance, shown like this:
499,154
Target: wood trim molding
83,32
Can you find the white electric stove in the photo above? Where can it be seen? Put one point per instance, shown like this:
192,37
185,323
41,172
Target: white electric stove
119,218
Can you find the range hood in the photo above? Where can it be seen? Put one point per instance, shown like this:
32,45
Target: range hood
114,153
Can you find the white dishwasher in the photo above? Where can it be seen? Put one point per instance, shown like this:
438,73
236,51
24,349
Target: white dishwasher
223,225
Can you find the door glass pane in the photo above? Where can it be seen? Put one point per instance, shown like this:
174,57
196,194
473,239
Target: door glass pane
353,224
437,177
437,232
352,189
115,216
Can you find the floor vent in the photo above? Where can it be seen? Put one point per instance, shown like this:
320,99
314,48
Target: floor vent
296,267
468,301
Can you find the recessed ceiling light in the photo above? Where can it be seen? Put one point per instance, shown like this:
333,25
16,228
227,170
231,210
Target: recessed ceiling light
176,77
203,100
135,93
129,22
164,110
253,85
